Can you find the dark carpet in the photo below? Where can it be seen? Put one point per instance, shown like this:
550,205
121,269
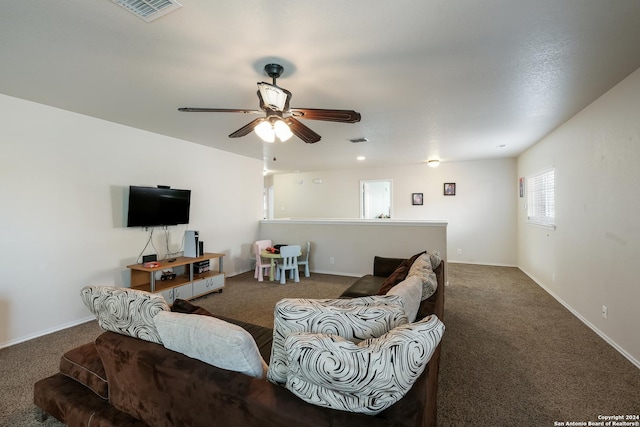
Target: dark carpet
512,355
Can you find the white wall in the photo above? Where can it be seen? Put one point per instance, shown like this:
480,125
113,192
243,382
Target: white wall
63,182
481,217
592,258
352,244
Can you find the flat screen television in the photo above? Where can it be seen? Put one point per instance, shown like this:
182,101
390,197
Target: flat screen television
153,207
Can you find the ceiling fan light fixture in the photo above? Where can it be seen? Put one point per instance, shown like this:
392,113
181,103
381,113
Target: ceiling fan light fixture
282,130
434,163
265,131
273,96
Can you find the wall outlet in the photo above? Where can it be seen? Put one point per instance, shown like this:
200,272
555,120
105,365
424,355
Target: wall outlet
332,260
605,311
459,251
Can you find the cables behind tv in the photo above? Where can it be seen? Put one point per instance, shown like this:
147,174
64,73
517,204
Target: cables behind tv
149,240
166,238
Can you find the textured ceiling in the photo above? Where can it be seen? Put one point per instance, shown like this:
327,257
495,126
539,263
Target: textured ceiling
445,79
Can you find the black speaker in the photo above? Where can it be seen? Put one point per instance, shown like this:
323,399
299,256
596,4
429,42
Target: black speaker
200,248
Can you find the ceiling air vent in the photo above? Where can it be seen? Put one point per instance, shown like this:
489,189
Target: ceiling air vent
358,140
149,10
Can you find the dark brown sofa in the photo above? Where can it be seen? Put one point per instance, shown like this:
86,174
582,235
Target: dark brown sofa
123,381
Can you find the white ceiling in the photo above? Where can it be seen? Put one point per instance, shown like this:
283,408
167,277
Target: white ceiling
445,79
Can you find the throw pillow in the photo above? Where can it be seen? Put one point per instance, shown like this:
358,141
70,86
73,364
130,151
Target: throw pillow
212,341
422,268
410,290
398,275
329,371
125,311
353,319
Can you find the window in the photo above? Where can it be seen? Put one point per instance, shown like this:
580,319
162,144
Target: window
541,203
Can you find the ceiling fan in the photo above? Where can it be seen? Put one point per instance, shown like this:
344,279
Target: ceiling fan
281,121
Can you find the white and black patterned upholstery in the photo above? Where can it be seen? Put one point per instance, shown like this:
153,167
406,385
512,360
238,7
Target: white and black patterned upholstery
329,371
125,311
354,319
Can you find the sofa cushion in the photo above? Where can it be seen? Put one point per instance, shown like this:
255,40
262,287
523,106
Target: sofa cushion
353,319
423,268
212,341
398,275
368,377
365,286
83,364
410,290
125,311
261,335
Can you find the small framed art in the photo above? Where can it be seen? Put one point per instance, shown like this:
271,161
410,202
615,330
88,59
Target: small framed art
521,186
449,188
416,199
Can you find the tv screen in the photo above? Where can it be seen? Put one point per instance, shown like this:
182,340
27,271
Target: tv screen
151,207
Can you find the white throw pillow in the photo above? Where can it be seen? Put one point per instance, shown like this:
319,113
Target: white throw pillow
410,290
329,371
353,319
125,311
212,341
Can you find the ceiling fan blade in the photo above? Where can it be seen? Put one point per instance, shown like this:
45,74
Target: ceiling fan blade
302,131
218,110
343,116
246,129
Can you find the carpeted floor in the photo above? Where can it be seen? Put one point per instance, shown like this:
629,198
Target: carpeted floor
512,355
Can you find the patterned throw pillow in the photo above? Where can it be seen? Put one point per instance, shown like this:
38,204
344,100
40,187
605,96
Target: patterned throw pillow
353,319
329,371
423,268
125,311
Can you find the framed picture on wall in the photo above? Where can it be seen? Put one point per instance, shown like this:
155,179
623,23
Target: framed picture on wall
416,199
449,188
521,184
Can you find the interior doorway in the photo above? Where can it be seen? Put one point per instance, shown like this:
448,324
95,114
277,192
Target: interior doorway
375,198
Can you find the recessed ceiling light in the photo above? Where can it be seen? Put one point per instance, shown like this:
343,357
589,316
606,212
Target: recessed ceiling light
360,158
501,146
434,163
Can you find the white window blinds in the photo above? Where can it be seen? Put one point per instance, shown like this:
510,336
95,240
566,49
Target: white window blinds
541,203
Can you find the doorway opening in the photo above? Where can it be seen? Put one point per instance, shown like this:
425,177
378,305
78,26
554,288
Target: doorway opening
375,198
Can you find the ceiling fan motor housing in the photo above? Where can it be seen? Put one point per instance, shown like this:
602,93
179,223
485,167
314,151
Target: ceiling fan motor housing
274,71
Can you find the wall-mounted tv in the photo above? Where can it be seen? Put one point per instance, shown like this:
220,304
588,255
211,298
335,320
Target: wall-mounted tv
153,207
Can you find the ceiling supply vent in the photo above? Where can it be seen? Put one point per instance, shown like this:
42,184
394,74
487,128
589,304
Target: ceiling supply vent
149,10
358,140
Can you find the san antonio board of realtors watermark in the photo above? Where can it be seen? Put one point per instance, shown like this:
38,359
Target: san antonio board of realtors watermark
604,421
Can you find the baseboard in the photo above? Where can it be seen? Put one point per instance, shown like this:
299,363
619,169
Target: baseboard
480,263
46,332
337,273
585,321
